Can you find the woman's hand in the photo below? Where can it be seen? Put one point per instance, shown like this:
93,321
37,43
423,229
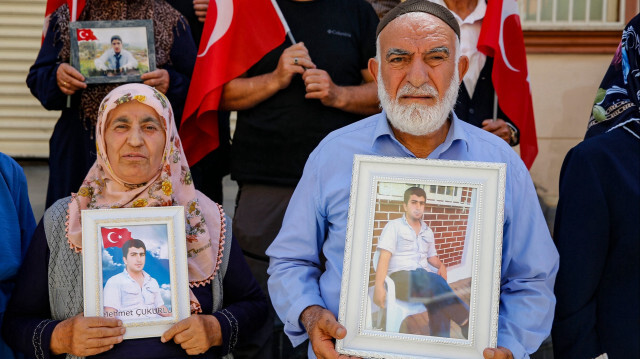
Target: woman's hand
158,78
81,336
195,334
69,80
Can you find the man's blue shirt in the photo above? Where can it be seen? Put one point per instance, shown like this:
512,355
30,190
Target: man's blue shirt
316,221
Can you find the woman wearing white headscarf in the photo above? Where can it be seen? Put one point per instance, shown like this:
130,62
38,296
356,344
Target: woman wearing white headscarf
139,164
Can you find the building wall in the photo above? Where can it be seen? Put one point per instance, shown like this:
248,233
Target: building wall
25,126
563,88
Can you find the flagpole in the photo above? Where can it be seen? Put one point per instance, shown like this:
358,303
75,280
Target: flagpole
74,11
74,16
495,105
284,22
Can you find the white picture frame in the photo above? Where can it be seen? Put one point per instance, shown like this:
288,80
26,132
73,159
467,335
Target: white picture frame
479,187
165,267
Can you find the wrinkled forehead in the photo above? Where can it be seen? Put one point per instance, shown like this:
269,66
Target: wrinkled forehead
156,101
417,27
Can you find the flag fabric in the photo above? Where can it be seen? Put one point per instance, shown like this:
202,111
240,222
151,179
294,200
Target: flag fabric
114,237
236,35
85,35
501,38
75,9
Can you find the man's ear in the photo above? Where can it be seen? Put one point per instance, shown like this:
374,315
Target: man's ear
373,68
463,66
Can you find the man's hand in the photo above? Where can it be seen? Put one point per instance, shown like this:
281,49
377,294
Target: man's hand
294,60
158,78
319,86
498,127
200,7
82,336
322,327
195,334
380,296
69,80
497,353
442,271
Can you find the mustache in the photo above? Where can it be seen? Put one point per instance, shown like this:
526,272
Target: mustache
410,90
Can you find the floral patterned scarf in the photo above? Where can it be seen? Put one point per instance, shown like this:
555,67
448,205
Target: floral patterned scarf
617,101
173,186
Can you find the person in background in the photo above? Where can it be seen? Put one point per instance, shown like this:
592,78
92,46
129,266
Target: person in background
209,171
596,226
140,163
476,98
16,225
418,68
59,86
382,7
287,102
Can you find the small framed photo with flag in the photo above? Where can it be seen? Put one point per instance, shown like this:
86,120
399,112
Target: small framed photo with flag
135,267
112,51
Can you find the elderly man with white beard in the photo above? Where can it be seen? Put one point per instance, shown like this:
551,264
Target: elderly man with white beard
418,69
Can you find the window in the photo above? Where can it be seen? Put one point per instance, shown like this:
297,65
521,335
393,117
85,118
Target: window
572,14
574,26
449,194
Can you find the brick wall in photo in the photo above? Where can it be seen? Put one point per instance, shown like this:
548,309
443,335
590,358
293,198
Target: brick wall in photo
448,221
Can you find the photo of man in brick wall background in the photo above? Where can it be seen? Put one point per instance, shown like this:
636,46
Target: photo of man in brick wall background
405,247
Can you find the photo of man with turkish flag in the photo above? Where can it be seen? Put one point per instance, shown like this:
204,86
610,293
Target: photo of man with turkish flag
135,272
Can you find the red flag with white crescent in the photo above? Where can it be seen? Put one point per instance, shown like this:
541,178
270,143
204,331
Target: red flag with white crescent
85,35
501,38
114,237
75,9
236,35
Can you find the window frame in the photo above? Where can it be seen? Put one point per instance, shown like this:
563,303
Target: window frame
564,39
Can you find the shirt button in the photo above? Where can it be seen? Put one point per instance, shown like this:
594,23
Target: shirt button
471,111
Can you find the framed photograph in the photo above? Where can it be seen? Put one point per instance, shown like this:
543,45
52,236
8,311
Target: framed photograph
421,276
135,267
112,51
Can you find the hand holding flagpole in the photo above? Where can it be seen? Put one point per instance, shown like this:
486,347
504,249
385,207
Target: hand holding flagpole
235,37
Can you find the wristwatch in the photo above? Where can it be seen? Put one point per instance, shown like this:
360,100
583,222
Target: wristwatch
514,135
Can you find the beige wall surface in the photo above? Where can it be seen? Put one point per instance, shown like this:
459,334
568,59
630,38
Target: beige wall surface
563,88
25,126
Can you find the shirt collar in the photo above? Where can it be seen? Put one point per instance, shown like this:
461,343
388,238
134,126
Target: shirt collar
476,15
423,225
456,134
144,274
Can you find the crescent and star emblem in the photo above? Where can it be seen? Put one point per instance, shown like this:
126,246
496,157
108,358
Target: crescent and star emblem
83,34
109,237
223,21
509,8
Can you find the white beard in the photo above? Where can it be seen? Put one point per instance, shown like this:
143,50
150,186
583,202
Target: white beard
417,119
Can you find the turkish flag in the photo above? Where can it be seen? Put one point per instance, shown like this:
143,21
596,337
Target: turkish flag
75,9
236,35
114,237
85,35
501,38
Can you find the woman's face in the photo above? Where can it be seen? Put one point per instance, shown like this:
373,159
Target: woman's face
134,139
